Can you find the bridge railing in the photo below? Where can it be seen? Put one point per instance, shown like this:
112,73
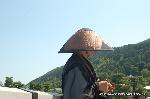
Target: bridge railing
14,93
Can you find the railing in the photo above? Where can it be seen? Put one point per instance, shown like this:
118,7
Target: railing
14,93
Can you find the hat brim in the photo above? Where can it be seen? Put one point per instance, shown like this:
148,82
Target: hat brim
104,47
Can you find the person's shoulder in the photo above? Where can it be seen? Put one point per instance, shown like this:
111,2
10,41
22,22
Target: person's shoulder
75,58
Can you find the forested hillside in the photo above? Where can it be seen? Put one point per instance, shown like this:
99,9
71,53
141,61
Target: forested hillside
51,76
129,64
129,59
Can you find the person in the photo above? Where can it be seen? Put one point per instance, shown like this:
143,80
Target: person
79,78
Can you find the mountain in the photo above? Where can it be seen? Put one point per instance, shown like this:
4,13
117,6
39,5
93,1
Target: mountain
51,76
129,59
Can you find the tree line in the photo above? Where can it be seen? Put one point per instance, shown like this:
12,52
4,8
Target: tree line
9,82
51,87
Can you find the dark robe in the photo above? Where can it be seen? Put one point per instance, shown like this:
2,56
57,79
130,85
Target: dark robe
79,79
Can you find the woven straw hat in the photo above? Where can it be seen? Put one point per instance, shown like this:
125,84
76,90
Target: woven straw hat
85,39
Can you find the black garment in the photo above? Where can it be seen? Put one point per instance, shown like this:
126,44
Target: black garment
79,79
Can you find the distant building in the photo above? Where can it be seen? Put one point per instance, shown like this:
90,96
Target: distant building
147,87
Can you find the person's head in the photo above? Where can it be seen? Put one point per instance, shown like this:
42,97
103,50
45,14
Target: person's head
87,54
85,41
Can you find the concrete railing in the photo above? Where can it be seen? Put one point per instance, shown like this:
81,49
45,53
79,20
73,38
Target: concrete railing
14,93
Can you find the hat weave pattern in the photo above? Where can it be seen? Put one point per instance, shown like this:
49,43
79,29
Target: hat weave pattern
84,39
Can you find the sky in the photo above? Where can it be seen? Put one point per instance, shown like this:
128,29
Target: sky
33,31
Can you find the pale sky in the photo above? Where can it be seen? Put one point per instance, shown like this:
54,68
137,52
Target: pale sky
33,31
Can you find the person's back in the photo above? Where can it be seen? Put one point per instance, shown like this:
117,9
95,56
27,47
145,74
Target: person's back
75,78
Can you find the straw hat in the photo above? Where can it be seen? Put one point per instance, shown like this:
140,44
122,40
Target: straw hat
85,39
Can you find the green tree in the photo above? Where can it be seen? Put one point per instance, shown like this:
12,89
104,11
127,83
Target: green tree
102,76
145,73
17,84
8,82
35,86
138,83
38,87
46,87
32,86
116,78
